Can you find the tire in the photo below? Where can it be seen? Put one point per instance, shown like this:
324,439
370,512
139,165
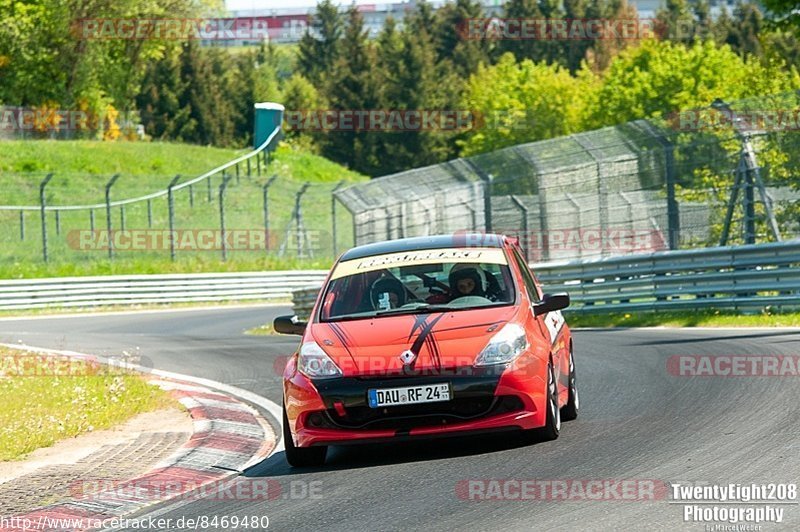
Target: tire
301,456
552,427
570,410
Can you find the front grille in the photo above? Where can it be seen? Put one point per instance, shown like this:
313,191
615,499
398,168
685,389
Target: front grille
423,415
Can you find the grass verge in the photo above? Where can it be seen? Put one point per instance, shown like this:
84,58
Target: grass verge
708,318
44,399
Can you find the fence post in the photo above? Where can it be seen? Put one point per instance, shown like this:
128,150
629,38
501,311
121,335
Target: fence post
122,217
191,196
43,206
222,188
333,214
249,173
22,225
673,213
108,214
526,242
265,190
208,189
300,225
91,220
749,207
258,165
58,222
171,207
487,201
150,214
237,173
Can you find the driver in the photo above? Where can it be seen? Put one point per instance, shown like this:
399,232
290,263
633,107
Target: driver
387,293
466,281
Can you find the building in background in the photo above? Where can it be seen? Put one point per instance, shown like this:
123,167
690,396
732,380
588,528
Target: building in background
288,25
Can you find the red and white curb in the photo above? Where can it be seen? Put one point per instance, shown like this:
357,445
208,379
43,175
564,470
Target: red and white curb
228,437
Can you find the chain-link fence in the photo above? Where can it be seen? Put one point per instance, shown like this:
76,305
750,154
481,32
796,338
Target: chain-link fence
722,175
243,210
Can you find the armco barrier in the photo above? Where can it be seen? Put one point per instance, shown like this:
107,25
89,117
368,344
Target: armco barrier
735,278
745,278
148,289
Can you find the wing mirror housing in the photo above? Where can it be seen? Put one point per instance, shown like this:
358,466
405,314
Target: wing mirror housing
551,303
289,325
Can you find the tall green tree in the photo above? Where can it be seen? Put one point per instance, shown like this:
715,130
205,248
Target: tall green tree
320,47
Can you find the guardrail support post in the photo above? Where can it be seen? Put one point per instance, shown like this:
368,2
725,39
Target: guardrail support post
222,188
108,214
171,207
333,214
22,225
43,207
265,193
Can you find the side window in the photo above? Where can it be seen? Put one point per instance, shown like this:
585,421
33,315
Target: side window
530,285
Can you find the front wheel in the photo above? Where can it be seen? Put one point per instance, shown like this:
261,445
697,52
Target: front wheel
570,410
301,456
552,428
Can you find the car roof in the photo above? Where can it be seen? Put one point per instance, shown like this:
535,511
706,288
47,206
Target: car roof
455,240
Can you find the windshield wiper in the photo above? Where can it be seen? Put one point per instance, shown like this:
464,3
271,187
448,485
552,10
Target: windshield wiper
422,307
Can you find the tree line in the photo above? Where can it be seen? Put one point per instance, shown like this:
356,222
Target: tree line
525,90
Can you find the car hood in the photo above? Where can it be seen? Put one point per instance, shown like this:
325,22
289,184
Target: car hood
438,340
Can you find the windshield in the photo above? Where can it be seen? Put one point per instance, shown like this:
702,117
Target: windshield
418,282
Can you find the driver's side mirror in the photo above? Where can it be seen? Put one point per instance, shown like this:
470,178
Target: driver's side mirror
551,303
289,325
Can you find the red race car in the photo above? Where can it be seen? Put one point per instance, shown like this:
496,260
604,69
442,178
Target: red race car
427,337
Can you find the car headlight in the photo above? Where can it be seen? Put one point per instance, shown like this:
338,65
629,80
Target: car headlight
505,346
315,363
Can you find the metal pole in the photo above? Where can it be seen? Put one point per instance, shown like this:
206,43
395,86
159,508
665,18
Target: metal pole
191,196
149,213
258,165
208,188
22,225
43,205
673,212
222,188
171,207
266,209
237,173
487,202
91,220
298,214
521,206
749,208
333,215
108,214
122,217
249,173
58,222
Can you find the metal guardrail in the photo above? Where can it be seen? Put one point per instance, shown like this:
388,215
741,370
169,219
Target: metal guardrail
727,278
730,278
147,289
736,278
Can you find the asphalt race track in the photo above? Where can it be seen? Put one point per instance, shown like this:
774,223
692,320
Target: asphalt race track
637,422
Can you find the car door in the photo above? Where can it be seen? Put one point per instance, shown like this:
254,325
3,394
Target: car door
551,325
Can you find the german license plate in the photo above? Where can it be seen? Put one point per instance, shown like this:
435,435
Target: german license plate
409,395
